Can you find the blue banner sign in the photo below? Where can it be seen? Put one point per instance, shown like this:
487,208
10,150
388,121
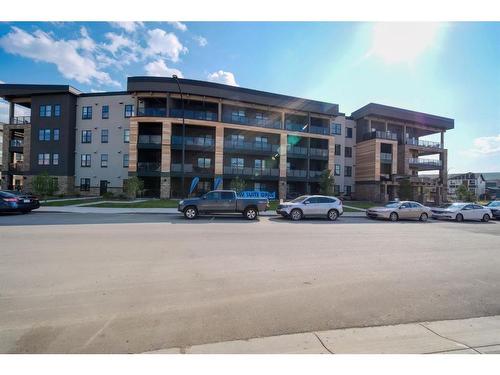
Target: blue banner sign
193,184
257,194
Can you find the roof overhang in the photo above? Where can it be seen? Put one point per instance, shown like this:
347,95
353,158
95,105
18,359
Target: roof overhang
13,91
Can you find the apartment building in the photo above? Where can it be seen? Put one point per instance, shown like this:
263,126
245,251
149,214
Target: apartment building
475,183
182,136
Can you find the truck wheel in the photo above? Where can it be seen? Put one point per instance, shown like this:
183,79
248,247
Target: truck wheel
190,213
333,215
296,214
250,213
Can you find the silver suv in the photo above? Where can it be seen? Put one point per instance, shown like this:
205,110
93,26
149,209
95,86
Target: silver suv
311,206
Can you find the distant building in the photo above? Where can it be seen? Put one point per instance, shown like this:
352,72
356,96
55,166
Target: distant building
1,149
475,183
492,185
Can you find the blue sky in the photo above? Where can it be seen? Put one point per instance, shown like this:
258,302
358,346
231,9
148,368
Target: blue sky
447,69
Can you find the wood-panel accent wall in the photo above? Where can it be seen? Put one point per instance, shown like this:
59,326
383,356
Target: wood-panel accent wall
367,165
283,152
132,153
166,137
219,151
331,154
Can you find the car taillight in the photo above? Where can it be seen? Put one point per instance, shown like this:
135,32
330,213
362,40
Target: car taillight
10,199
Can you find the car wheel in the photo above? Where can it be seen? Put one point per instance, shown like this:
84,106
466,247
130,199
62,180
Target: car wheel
250,213
424,217
333,215
393,216
486,218
459,217
190,213
296,214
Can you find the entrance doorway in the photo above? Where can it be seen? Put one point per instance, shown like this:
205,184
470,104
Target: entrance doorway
103,187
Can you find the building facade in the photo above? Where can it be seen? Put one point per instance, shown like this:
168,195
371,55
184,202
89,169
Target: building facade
187,136
475,183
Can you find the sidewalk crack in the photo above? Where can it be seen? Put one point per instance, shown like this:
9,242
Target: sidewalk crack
447,338
322,343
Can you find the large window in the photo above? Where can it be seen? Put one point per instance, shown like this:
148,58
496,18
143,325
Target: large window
85,160
105,112
204,162
347,171
337,170
43,159
348,132
348,152
104,160
338,149
336,129
104,135
56,134
86,113
336,189
129,110
125,160
44,135
261,140
55,159
45,111
347,189
237,138
126,135
84,184
57,110
86,136
259,164
237,162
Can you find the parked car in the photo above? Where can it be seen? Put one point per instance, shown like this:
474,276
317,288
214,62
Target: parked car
10,202
396,210
29,200
462,211
311,206
222,201
494,207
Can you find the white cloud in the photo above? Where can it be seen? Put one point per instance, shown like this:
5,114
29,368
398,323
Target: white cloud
485,146
164,44
116,42
395,42
129,27
221,76
158,68
65,54
202,42
179,25
2,82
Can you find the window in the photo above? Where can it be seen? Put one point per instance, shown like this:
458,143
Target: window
237,138
259,186
86,113
337,170
347,189
213,196
260,118
125,160
45,111
126,136
55,159
104,135
84,184
129,110
105,112
348,152
204,162
226,195
348,132
260,164
56,134
260,139
43,159
338,149
237,163
336,129
104,160
57,110
347,171
86,136
44,135
336,189
85,160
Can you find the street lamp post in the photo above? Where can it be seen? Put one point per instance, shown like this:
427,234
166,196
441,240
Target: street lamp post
183,134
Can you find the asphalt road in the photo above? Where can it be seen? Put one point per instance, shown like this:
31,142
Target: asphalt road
85,283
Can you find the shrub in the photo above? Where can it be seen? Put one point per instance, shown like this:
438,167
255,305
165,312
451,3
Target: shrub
326,182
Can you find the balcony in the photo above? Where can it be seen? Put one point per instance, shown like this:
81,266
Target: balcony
260,122
16,142
257,172
20,120
176,168
250,146
148,167
380,135
296,151
425,163
295,127
319,130
385,158
320,153
152,112
16,167
149,141
315,174
194,114
193,143
422,143
301,173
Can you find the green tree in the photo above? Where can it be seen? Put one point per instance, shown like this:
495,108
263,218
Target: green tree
237,184
463,194
44,185
405,190
134,187
326,182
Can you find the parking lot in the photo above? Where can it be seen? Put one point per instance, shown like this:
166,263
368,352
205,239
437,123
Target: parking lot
129,283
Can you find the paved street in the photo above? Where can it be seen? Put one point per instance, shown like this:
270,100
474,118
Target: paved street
129,283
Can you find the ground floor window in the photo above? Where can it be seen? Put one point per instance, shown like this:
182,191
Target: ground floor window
84,184
347,190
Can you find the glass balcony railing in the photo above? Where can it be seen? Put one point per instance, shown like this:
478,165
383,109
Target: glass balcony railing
16,167
320,130
296,173
296,127
194,114
296,150
245,171
425,162
20,120
148,167
318,152
193,141
315,174
381,135
150,139
252,121
422,143
252,146
152,112
16,142
385,157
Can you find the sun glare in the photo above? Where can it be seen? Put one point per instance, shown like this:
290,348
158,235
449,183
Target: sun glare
403,42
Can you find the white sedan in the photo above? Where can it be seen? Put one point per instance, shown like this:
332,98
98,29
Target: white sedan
462,211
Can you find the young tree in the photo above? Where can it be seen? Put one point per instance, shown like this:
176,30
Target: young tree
134,187
237,184
44,185
405,191
464,194
326,182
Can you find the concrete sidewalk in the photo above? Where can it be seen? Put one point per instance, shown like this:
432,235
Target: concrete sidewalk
465,336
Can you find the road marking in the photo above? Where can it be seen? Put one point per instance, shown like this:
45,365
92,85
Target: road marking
93,337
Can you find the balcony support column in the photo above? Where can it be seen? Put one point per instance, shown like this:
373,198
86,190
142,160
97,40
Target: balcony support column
11,112
166,136
282,120
219,153
283,159
442,139
219,111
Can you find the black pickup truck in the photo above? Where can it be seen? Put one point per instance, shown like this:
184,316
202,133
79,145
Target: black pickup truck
222,201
